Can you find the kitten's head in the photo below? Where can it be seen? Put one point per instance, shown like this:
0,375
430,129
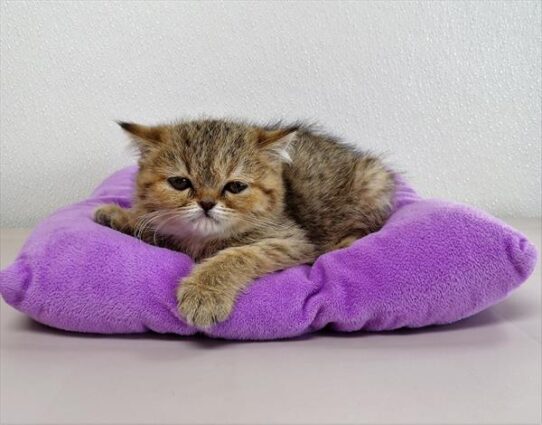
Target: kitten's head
209,179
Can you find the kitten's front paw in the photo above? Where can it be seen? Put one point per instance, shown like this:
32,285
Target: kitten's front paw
112,216
201,304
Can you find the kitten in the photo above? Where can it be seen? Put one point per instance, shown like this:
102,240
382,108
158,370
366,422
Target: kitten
244,201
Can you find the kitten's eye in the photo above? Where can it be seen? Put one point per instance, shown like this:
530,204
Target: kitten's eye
179,183
235,187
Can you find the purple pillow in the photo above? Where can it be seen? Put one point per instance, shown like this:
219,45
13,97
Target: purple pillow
434,262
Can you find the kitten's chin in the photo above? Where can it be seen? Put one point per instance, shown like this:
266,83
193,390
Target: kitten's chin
199,228
208,227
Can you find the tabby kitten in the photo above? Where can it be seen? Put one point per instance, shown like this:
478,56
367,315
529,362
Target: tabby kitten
245,200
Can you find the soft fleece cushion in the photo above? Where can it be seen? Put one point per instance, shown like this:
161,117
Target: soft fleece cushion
434,262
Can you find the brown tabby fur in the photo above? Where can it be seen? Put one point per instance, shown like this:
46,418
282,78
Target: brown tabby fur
307,194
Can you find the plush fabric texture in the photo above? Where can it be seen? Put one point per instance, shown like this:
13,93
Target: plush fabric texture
434,262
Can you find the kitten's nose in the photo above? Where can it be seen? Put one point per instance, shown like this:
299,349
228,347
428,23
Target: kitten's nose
206,205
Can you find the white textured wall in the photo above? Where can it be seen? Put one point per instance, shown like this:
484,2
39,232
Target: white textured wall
449,90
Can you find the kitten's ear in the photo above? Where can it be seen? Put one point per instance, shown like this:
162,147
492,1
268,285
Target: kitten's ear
277,142
143,136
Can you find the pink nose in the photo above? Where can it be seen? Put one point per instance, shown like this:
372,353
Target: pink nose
207,205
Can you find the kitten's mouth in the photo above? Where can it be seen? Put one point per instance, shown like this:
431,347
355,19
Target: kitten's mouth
206,217
206,225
